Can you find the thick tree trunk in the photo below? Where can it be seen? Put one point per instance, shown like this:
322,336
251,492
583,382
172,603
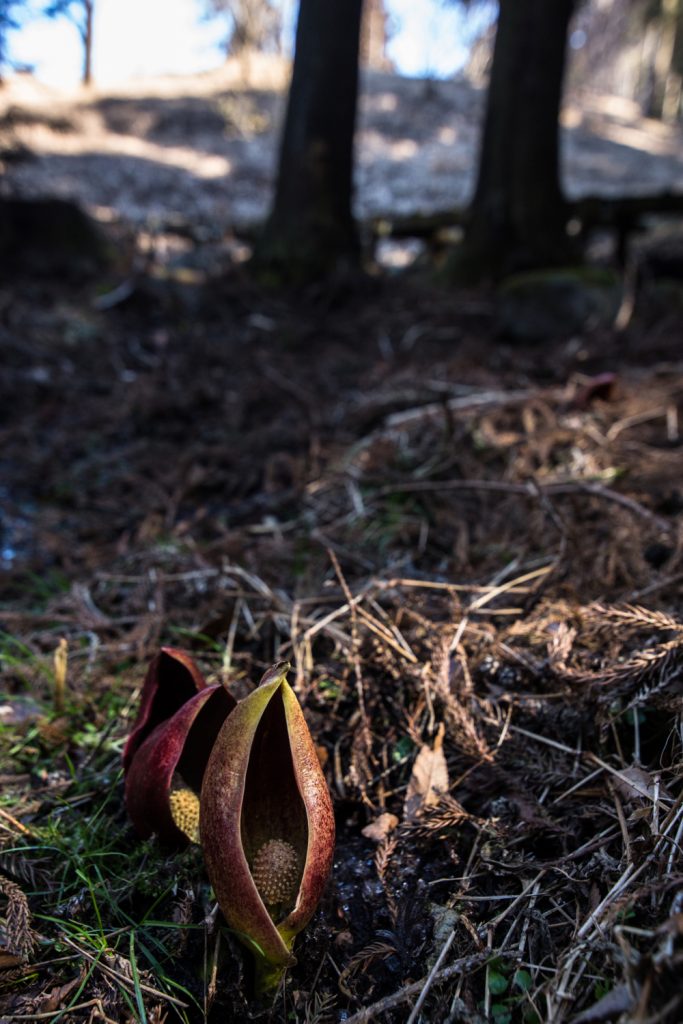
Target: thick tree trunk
517,219
311,229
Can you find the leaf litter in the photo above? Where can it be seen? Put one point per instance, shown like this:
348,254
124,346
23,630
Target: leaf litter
476,577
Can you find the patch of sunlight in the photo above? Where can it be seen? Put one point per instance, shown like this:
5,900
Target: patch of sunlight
607,120
404,149
202,165
637,138
571,117
447,135
104,214
385,101
396,255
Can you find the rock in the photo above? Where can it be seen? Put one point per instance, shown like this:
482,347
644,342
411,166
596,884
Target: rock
50,237
546,304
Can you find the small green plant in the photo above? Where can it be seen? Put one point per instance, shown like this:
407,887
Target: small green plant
509,986
402,749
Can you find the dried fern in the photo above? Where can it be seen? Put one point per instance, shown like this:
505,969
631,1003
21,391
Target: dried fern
320,1009
18,937
383,856
182,917
631,617
461,724
12,862
362,960
648,671
560,645
447,814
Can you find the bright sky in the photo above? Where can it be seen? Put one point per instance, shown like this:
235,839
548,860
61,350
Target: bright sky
150,37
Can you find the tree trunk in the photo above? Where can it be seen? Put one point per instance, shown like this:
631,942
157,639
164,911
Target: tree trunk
665,97
311,229
6,23
87,41
517,218
373,37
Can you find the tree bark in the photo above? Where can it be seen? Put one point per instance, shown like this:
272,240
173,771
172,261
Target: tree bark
666,70
311,229
373,36
87,41
517,219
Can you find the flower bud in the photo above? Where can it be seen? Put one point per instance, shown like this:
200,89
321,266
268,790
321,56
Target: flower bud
172,678
266,822
167,752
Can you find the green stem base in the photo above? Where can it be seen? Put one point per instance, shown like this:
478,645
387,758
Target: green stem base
267,977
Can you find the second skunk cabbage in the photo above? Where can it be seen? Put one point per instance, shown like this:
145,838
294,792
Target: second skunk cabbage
172,678
266,823
167,751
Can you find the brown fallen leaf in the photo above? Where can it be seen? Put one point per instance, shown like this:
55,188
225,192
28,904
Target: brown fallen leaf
9,960
429,778
636,784
53,1000
380,828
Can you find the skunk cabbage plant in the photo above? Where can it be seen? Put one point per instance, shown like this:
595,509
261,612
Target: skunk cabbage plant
172,678
166,753
266,823
245,781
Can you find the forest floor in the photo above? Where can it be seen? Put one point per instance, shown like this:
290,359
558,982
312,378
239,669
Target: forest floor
203,149
469,550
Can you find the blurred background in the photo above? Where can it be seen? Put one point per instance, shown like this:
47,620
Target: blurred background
187,36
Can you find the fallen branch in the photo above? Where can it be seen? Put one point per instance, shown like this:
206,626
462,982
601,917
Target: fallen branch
502,487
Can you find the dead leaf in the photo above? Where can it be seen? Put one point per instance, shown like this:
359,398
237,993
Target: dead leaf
9,960
53,999
380,828
429,779
636,784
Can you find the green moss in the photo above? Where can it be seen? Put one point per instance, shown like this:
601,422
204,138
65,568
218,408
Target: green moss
545,304
590,276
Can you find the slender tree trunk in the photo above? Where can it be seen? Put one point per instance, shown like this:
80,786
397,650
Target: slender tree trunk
674,87
666,88
517,219
373,36
311,229
6,23
87,41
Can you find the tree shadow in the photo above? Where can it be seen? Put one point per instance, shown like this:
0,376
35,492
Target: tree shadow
212,158
225,115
